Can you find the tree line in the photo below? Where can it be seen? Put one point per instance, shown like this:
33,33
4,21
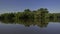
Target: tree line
41,13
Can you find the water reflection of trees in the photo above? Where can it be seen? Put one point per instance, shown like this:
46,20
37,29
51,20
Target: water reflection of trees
28,22
54,20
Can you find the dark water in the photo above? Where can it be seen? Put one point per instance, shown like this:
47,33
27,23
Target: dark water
30,27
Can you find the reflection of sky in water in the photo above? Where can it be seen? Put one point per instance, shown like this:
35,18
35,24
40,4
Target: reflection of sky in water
52,28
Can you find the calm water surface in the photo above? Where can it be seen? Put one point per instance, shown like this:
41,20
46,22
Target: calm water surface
52,28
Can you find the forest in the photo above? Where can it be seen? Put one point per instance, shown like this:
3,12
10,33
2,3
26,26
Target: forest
41,13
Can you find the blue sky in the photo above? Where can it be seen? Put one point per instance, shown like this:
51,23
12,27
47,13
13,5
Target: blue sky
19,5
